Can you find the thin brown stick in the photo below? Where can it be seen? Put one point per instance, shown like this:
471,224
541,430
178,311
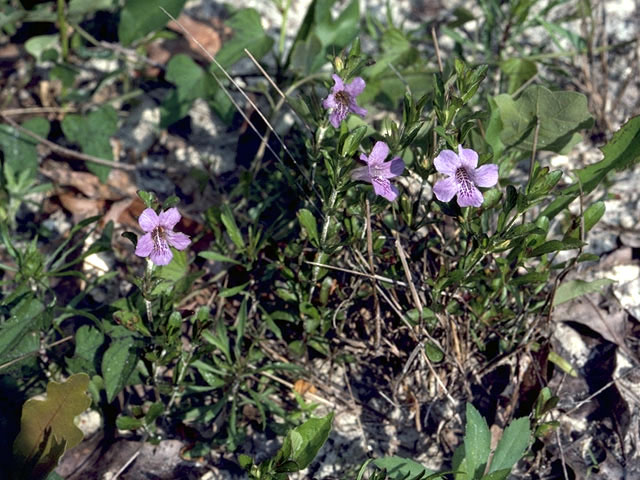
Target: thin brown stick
437,47
65,151
407,274
36,110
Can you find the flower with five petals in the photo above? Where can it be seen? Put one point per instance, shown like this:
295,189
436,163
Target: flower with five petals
342,100
378,172
463,177
159,235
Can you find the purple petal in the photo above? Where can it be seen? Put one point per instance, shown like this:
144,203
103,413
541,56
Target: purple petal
148,220
357,110
486,175
447,162
470,197
339,85
384,188
178,240
169,218
356,87
361,174
144,246
468,157
161,253
445,189
378,153
396,167
330,101
387,169
337,116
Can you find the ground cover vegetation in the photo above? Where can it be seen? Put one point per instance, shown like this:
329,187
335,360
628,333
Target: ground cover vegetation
402,225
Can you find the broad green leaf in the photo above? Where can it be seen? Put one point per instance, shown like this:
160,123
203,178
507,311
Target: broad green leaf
561,116
576,288
399,468
92,132
511,447
622,151
191,82
308,223
46,427
304,442
18,335
397,50
477,442
247,33
39,44
139,17
229,221
19,150
433,352
88,340
118,363
497,475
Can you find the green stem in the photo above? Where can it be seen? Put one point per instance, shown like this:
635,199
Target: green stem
323,239
62,24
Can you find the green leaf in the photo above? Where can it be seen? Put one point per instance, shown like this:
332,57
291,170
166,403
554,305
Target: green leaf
88,340
46,426
554,246
304,441
92,132
399,468
118,363
561,116
622,151
563,364
191,82
19,335
229,221
511,447
518,70
433,352
139,17
218,257
308,223
19,150
39,44
128,423
352,142
231,291
531,277
247,33
477,442
576,288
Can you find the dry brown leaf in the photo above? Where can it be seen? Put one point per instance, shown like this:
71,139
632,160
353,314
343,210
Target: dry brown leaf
302,386
81,207
208,35
118,186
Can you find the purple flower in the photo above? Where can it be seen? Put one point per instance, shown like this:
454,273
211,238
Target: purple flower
463,177
159,235
378,172
342,100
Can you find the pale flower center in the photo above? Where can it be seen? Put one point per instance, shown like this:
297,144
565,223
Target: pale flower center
464,182
159,237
